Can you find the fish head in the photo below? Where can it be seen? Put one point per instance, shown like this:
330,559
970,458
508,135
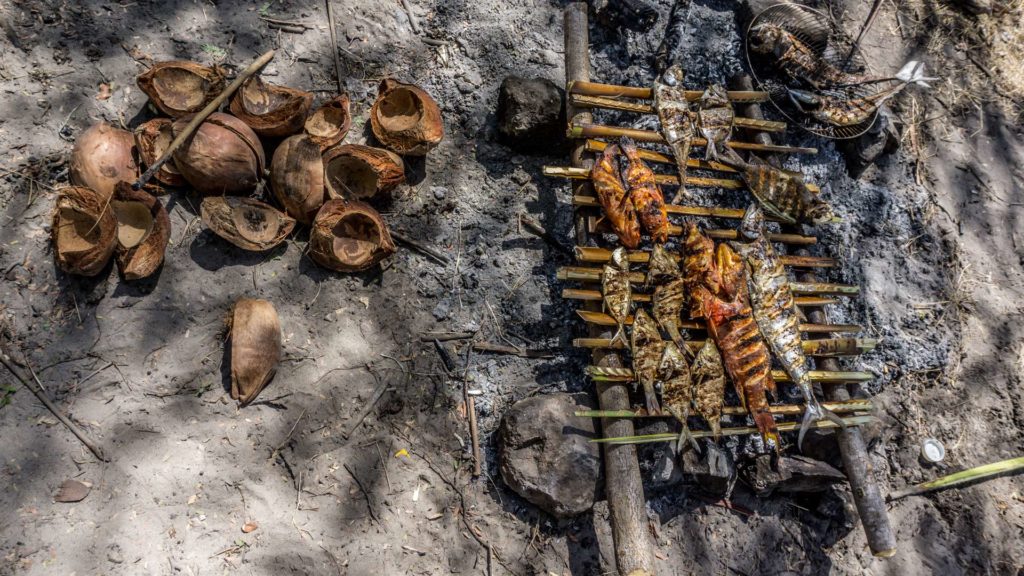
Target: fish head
752,225
819,212
620,258
715,96
673,76
803,99
766,39
644,329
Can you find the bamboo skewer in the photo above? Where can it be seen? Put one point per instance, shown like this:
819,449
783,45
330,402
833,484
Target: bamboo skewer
600,373
602,255
602,319
594,226
821,348
663,179
602,131
595,296
613,90
587,274
583,101
850,422
856,405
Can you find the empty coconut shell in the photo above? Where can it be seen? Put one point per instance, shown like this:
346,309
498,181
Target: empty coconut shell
255,347
406,119
297,177
102,157
360,172
178,88
329,123
269,109
152,139
246,223
143,230
349,236
223,156
84,231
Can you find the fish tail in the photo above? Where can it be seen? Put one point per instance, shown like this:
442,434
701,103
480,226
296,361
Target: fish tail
685,437
652,399
730,157
913,73
765,423
620,336
813,411
673,333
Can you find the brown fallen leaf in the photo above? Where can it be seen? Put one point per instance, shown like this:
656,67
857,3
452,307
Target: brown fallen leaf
104,92
72,491
249,527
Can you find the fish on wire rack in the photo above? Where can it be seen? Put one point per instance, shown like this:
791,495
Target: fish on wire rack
839,111
782,194
677,390
715,117
643,191
647,348
616,292
775,312
798,60
698,266
667,306
676,124
708,377
611,193
661,266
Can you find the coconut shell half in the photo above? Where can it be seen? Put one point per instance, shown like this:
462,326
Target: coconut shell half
271,110
246,223
143,230
102,157
178,87
223,156
255,340
152,139
297,177
349,236
329,123
84,231
358,172
406,119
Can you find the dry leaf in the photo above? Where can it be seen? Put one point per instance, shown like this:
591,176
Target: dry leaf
104,92
72,491
250,527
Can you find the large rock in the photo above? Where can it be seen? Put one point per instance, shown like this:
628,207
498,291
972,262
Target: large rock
546,456
882,138
531,115
712,468
789,474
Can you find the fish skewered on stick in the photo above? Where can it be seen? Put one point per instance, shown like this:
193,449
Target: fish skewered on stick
617,293
667,306
647,348
643,191
698,267
674,116
611,192
775,312
661,266
782,194
715,118
708,377
677,390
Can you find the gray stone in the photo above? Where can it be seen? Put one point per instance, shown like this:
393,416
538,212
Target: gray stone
442,310
545,453
712,468
789,474
882,138
531,115
439,192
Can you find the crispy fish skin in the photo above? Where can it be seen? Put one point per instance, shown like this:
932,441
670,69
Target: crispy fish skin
708,376
667,305
612,194
698,267
661,266
648,348
842,111
782,194
616,292
645,194
715,117
674,116
797,59
676,389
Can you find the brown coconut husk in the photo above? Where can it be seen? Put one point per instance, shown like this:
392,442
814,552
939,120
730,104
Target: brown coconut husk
349,236
223,156
102,157
152,139
246,223
271,110
84,231
255,340
143,230
406,119
358,172
297,177
329,123
179,88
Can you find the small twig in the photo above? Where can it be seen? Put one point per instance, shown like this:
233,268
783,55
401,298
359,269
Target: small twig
381,389
471,412
369,502
535,228
446,357
285,23
383,465
521,352
421,248
445,336
288,437
412,18
334,47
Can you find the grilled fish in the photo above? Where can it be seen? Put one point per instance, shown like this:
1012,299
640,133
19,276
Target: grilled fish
850,112
775,311
782,194
676,125
661,266
647,347
677,389
698,267
643,191
708,376
616,292
667,304
715,117
618,209
797,60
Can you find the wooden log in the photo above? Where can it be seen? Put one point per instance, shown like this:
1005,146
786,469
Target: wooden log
740,122
825,347
602,319
602,131
602,255
645,93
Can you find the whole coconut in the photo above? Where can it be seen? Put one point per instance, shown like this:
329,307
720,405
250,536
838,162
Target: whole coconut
223,156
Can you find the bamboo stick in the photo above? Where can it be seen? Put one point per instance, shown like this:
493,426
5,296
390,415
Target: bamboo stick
600,373
595,296
821,348
849,422
662,179
613,90
857,405
602,131
602,319
594,226
588,274
583,101
602,255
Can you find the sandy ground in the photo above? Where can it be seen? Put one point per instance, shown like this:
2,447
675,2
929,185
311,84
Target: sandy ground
140,365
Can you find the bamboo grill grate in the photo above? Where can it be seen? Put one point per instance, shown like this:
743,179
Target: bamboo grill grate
719,224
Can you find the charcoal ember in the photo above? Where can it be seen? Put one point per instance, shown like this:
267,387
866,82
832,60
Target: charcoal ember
545,453
712,468
531,115
882,138
789,474
635,15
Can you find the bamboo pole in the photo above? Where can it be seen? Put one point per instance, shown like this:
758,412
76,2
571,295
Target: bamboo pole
662,179
588,274
822,348
602,131
605,374
594,226
857,405
740,122
595,296
592,145
850,422
602,319
613,90
602,255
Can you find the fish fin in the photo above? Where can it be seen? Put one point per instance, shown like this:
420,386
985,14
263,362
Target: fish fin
913,73
620,336
651,398
812,413
730,157
765,423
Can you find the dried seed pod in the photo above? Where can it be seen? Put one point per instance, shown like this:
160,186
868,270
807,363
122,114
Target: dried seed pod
329,123
297,177
178,87
102,157
349,236
152,139
143,230
84,231
358,172
406,119
223,156
255,347
271,110
246,223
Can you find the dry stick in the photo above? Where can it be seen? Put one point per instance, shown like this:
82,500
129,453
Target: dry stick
45,399
623,484
626,375
587,130
699,181
382,387
334,47
445,336
198,119
421,248
534,227
412,18
366,494
471,412
602,319
850,423
581,101
614,90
